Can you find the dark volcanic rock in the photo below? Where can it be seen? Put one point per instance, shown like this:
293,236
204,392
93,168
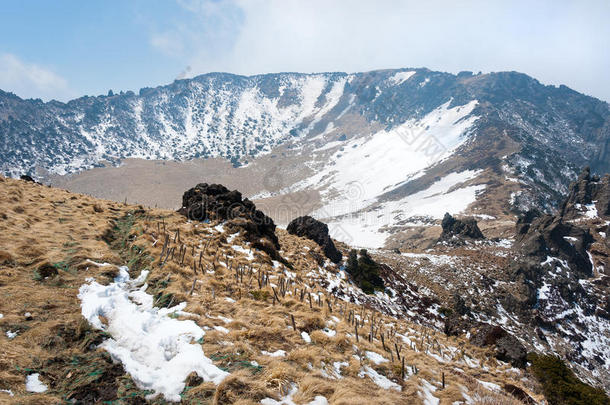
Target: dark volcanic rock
317,231
519,393
28,178
459,229
549,235
46,270
216,202
506,347
455,325
587,190
524,221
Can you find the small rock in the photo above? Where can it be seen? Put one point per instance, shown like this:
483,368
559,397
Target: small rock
98,208
28,316
46,270
506,346
455,325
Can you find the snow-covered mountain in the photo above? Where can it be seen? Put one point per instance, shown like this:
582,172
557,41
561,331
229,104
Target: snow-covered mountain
209,116
389,149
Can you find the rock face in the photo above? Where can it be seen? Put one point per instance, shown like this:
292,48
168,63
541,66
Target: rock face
589,195
559,285
216,202
458,230
550,236
563,235
317,231
506,347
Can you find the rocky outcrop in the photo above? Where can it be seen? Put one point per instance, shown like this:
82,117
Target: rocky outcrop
566,235
459,230
553,289
544,236
589,195
216,202
28,178
456,325
506,347
317,231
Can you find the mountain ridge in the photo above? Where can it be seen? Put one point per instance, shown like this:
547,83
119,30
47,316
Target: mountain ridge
504,139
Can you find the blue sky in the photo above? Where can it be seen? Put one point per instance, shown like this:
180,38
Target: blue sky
64,49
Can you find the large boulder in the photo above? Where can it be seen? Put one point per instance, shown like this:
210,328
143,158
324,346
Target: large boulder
317,231
216,202
458,230
506,347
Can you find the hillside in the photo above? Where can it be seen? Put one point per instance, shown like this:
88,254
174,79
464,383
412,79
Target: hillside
192,312
380,156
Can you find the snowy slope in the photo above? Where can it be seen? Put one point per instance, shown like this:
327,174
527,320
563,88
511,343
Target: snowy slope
365,141
365,168
370,228
210,116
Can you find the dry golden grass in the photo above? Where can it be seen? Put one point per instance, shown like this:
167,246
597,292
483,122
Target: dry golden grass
44,229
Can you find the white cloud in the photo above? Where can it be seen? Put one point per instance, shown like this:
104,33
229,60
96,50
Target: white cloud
204,36
556,42
29,80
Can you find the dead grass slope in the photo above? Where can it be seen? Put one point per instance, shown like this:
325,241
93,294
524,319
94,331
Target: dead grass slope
248,304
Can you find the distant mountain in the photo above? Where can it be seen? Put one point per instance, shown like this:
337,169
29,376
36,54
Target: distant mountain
387,149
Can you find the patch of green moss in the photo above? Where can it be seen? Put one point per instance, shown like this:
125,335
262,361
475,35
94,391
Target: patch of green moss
561,386
260,295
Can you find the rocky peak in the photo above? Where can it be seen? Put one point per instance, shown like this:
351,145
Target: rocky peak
558,271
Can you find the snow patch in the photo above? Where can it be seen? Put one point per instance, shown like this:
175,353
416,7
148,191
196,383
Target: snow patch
426,393
155,349
367,228
277,353
33,383
400,77
379,379
287,400
375,357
